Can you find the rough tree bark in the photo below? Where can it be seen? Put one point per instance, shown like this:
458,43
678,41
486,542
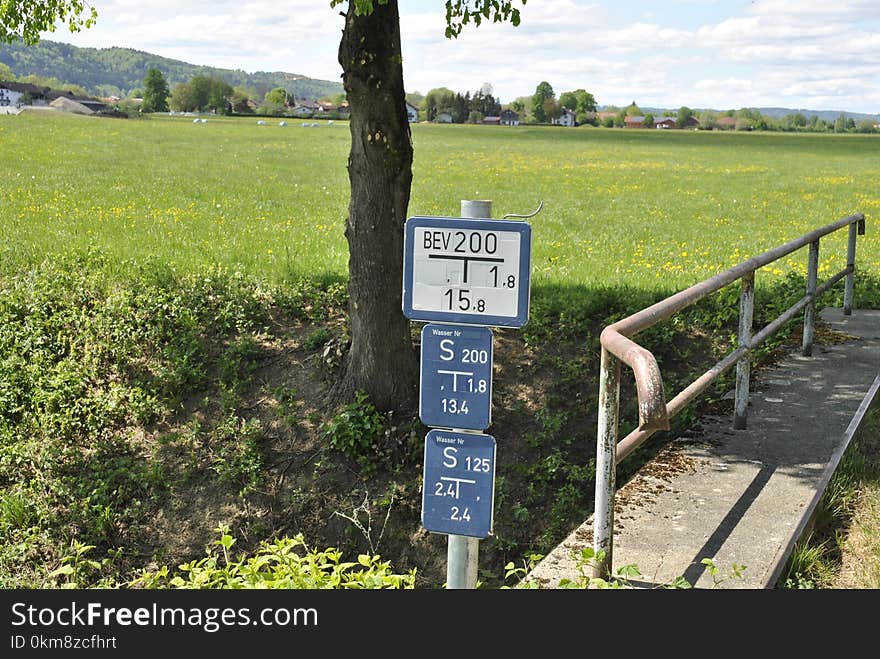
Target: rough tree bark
381,359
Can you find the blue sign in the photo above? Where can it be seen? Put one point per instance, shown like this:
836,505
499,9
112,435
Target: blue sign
467,271
459,483
456,377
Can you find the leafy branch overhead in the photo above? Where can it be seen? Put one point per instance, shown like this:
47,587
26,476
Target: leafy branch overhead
25,20
458,12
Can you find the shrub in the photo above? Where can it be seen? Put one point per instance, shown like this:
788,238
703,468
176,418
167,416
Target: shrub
355,432
285,563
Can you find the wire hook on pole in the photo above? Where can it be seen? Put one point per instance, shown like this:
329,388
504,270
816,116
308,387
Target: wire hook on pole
528,215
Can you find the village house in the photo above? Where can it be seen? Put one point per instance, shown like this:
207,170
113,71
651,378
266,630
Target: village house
726,123
564,119
412,112
664,122
509,118
9,97
634,122
304,109
492,121
443,118
16,94
602,117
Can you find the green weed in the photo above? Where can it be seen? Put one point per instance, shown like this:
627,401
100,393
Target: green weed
286,563
238,457
355,431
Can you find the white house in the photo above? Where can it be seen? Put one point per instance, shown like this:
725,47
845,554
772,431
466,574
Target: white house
565,119
443,118
305,109
13,93
412,112
9,97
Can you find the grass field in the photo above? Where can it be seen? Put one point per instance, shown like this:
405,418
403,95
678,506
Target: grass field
172,311
641,208
842,549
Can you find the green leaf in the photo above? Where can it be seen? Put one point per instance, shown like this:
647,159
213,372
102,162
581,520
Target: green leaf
630,570
679,582
65,570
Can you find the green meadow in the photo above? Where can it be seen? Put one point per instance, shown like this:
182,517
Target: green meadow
652,209
172,314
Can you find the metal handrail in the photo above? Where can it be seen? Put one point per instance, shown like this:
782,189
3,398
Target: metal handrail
654,412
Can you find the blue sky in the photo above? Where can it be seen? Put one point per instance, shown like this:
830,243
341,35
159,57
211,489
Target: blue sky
809,54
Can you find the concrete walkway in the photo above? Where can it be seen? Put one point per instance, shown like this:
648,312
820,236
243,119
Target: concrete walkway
742,496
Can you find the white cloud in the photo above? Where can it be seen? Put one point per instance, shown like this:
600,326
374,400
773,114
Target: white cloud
252,35
727,86
643,37
801,11
797,54
568,44
736,31
768,52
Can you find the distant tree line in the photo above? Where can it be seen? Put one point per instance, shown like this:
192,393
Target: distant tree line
542,107
207,93
751,119
465,108
211,94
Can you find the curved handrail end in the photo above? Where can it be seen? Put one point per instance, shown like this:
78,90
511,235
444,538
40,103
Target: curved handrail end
653,414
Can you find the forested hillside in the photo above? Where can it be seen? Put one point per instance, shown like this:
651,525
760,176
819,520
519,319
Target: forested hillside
118,71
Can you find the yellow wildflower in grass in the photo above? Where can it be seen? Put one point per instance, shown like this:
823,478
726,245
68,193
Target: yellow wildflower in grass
626,208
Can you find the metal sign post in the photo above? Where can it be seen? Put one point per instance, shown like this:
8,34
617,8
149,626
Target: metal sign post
462,275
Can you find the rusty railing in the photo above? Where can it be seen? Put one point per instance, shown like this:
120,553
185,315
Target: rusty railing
654,413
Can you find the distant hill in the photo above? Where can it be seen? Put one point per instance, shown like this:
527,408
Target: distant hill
117,71
827,115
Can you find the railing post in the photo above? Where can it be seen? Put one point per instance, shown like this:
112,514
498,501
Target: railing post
606,467
810,309
743,366
851,265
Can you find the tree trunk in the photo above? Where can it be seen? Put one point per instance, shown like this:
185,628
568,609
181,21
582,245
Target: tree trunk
381,359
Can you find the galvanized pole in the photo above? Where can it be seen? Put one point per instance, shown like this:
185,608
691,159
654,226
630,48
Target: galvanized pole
606,465
478,209
851,264
457,562
462,552
810,309
743,366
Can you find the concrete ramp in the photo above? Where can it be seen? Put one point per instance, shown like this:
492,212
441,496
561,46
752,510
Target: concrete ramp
742,496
